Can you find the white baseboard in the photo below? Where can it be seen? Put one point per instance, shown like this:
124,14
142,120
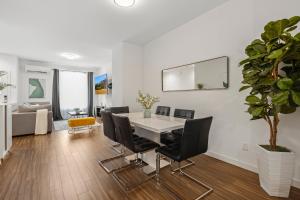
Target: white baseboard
244,165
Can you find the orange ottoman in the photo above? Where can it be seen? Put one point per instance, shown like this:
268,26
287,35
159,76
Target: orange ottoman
76,123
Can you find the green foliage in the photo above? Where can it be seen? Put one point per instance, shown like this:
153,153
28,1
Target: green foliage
271,71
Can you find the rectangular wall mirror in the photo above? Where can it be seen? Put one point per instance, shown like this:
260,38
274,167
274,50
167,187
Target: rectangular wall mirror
204,75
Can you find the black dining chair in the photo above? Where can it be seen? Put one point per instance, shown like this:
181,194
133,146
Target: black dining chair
118,110
173,136
163,110
183,113
193,142
110,133
134,143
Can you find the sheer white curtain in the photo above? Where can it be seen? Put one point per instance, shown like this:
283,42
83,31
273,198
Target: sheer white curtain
73,91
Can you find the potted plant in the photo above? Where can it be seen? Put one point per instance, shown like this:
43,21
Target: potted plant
272,73
147,101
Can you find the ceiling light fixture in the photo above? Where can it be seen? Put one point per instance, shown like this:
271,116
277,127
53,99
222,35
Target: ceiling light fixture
125,3
70,56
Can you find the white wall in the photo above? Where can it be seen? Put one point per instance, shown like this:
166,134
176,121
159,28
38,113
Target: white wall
127,75
224,31
23,76
9,64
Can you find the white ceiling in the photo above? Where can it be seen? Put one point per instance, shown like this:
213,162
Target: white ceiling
42,29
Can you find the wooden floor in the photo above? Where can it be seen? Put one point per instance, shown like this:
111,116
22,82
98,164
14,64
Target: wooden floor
61,166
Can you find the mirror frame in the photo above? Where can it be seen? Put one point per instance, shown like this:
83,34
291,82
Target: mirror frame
225,88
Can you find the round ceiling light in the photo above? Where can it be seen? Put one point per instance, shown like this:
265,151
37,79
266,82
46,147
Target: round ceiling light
125,3
70,56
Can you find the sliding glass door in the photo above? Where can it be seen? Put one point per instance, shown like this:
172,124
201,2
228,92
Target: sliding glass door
73,92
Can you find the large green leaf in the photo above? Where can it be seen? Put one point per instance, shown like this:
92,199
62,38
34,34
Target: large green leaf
250,51
256,47
250,80
287,109
244,61
280,98
250,72
257,111
297,36
274,29
296,97
294,20
285,83
291,28
244,88
257,56
269,33
253,99
280,25
276,54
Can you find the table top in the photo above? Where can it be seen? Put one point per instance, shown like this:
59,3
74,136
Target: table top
73,113
157,123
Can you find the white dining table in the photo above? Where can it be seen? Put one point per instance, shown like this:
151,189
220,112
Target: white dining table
152,128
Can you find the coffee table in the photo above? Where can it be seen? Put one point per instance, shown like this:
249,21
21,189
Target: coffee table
74,114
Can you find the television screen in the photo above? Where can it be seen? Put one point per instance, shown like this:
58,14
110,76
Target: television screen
101,84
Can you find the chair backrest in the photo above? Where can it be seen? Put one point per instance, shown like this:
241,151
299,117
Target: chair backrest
118,110
194,140
163,110
123,131
186,114
108,125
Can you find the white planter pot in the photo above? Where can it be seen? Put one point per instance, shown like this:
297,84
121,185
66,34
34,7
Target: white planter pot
275,171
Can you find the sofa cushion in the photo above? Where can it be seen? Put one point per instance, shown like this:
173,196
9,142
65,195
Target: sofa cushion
33,108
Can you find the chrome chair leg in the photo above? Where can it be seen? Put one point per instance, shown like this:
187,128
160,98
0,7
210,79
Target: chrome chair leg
209,189
142,158
157,167
180,169
114,147
190,162
125,187
134,163
102,162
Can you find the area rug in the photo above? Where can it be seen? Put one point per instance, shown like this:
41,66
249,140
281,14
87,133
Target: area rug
61,125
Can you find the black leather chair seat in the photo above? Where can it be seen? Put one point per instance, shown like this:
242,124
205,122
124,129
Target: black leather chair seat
138,140
172,151
145,145
171,137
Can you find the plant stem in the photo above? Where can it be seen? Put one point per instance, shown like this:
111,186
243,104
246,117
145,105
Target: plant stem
274,124
271,140
275,131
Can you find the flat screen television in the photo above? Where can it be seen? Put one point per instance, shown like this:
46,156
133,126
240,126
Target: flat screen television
101,84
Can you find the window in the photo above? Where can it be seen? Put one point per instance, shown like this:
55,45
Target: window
73,91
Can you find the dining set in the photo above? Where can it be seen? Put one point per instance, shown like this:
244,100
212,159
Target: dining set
154,143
